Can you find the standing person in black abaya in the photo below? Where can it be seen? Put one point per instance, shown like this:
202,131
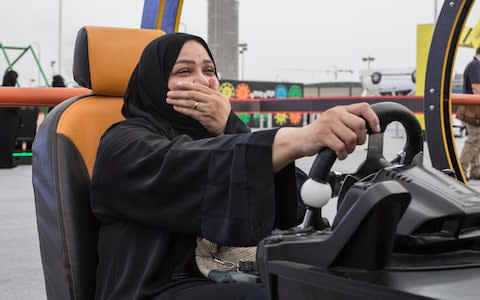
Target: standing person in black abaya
183,166
9,119
58,81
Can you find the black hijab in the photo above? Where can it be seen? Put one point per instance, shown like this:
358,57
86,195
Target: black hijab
58,81
10,78
146,94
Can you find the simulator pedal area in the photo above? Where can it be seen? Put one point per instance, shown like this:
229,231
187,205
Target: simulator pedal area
401,231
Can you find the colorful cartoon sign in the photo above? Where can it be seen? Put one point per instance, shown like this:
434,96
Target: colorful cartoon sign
243,90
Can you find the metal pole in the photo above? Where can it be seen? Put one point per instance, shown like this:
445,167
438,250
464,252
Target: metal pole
39,66
6,56
24,50
243,65
38,60
59,36
243,47
368,59
184,26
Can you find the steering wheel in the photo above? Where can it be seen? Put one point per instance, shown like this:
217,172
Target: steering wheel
316,191
387,112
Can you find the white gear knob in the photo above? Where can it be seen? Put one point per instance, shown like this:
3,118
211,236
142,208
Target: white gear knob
315,194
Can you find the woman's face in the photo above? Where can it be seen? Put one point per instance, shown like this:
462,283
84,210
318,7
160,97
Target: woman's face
193,65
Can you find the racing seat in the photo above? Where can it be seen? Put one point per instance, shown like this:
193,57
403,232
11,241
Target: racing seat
64,153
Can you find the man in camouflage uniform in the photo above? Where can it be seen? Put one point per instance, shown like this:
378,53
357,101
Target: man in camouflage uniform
470,115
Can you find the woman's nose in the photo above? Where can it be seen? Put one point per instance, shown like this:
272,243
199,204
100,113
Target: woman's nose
201,79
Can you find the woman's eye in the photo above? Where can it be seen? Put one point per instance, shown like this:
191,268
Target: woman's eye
210,71
183,71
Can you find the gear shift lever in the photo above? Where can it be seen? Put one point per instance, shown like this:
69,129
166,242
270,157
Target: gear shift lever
316,191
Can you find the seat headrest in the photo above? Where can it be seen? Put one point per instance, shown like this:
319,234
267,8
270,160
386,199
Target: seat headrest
104,57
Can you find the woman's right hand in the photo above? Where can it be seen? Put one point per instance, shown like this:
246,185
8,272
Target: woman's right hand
203,103
340,128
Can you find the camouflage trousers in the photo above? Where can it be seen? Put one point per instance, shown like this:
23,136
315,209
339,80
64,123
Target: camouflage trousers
470,157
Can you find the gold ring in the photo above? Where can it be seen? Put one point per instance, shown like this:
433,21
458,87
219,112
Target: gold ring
194,106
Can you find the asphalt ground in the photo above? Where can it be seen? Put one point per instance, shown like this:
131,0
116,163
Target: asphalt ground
21,275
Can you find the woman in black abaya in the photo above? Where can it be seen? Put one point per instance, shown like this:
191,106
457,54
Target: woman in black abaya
9,119
183,166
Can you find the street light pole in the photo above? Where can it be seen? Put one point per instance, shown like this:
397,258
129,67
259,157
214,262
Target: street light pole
368,59
59,36
184,26
243,47
52,65
40,60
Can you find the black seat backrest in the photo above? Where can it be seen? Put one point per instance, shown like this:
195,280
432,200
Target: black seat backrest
64,153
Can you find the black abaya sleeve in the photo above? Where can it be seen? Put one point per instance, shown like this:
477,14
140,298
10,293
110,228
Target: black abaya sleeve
221,188
235,125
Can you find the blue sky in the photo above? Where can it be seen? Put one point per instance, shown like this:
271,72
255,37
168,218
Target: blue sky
302,40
